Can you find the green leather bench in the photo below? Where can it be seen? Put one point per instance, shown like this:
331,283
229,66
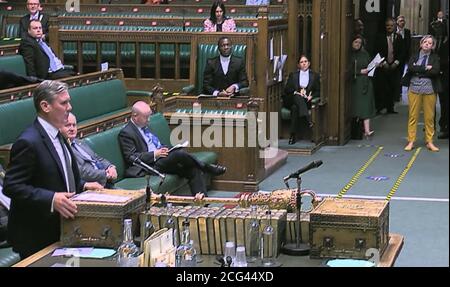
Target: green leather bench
12,31
91,103
14,64
8,257
106,144
205,52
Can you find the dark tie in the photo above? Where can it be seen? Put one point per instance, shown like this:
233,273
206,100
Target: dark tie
70,176
424,60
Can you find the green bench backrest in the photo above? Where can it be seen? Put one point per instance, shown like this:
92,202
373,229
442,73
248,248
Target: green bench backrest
207,51
14,118
106,144
88,102
98,99
12,31
14,64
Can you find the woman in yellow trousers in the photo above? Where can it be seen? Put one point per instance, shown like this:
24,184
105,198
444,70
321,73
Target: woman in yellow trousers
422,78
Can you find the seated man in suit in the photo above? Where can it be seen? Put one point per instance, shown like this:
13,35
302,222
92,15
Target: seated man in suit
138,143
225,74
40,60
93,168
34,7
301,87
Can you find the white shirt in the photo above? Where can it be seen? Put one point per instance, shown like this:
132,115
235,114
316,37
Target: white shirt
4,200
225,63
36,16
401,32
256,2
52,132
303,78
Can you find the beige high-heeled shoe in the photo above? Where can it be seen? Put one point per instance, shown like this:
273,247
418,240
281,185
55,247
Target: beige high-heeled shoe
409,146
432,147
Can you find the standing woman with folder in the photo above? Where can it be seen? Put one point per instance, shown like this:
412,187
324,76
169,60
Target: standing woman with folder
363,100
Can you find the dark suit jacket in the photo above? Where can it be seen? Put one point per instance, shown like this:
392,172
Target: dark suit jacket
214,78
25,22
10,80
35,173
36,61
382,47
132,143
292,85
406,46
420,71
87,171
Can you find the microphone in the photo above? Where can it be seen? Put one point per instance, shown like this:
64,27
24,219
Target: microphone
143,165
304,169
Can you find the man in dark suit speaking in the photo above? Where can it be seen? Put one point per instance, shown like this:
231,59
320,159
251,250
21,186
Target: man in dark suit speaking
138,143
224,75
43,174
40,60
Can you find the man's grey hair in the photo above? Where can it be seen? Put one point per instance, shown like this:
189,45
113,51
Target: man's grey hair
47,91
426,37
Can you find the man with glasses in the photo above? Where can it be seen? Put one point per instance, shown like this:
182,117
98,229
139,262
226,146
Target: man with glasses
34,9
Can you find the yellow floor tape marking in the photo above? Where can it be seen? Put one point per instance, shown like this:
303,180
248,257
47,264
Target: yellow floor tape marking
403,174
356,177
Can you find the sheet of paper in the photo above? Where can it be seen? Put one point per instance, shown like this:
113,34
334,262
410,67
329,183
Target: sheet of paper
275,64
105,66
79,252
98,197
271,49
180,145
372,65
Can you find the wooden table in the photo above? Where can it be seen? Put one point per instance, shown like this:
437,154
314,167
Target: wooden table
43,258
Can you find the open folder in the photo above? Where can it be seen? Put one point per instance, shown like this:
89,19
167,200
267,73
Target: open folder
180,145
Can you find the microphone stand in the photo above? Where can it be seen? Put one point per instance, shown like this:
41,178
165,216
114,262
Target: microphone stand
148,228
298,248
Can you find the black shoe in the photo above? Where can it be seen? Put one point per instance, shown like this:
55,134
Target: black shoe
215,169
292,140
391,112
443,135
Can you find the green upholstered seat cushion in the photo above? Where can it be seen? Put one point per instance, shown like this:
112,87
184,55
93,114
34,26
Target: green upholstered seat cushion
160,127
14,118
171,183
13,64
106,144
95,100
207,51
8,257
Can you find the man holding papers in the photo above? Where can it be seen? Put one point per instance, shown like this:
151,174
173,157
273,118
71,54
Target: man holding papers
138,143
390,46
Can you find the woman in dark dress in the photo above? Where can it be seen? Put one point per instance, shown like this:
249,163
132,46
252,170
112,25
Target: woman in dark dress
363,100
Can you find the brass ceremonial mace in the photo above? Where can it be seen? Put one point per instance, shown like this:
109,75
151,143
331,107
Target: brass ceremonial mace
278,199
